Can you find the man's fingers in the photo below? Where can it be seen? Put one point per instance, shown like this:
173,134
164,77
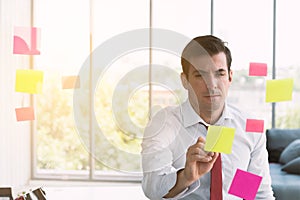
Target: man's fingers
197,152
200,139
210,153
200,158
214,157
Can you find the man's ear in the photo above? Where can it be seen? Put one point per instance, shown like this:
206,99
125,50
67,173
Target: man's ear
230,76
184,81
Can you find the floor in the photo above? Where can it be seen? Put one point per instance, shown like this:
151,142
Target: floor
95,193
84,191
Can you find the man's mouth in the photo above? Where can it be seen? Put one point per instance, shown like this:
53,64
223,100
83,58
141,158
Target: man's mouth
213,95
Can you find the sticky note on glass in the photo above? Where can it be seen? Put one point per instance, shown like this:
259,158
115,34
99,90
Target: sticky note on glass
219,139
279,90
25,114
70,82
255,125
29,81
258,69
26,40
245,185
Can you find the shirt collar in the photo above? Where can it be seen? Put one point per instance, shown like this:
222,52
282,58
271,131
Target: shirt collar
190,117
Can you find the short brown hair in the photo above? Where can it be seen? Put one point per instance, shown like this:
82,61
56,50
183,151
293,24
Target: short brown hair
204,45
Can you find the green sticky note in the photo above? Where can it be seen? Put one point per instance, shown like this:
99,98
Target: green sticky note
279,90
219,139
29,81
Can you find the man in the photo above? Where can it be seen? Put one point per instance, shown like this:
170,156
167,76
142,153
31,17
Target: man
174,162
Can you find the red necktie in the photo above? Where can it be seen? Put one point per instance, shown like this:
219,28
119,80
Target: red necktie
216,178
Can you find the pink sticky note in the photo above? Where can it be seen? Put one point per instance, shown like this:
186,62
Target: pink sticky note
258,69
26,40
25,113
245,184
255,125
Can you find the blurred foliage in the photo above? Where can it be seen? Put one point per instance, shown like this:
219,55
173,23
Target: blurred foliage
115,142
117,132
293,72
241,77
58,146
291,119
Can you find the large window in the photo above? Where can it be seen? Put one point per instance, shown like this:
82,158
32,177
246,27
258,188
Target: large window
65,45
189,18
249,36
127,72
121,109
288,61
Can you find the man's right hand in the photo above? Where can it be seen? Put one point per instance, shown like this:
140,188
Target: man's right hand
198,162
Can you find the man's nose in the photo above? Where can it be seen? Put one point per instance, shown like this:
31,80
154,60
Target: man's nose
211,81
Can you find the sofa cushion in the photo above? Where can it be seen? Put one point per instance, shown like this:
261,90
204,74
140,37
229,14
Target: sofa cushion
292,167
278,139
285,185
291,152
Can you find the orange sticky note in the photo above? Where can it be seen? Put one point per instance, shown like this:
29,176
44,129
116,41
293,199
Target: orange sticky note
258,69
255,125
70,82
29,81
26,40
279,90
25,114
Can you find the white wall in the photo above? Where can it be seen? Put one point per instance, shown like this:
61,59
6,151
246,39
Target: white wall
14,136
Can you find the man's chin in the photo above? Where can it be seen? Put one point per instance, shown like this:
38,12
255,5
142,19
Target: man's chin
213,106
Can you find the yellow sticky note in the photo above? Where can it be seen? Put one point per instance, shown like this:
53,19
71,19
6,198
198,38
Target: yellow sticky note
279,90
29,81
219,139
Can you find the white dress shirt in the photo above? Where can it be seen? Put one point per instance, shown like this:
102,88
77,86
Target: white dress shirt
167,138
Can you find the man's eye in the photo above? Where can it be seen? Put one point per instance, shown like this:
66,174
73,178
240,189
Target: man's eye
221,74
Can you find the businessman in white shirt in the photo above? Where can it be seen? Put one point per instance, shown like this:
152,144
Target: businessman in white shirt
175,165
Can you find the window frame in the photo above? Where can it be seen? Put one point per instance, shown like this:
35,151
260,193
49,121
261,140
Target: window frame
92,174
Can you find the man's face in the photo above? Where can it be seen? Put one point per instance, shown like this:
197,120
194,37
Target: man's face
208,82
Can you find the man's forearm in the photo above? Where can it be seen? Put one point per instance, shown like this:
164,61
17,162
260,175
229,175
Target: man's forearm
180,185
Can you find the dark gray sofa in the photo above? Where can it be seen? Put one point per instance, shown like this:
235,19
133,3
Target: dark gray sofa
286,186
